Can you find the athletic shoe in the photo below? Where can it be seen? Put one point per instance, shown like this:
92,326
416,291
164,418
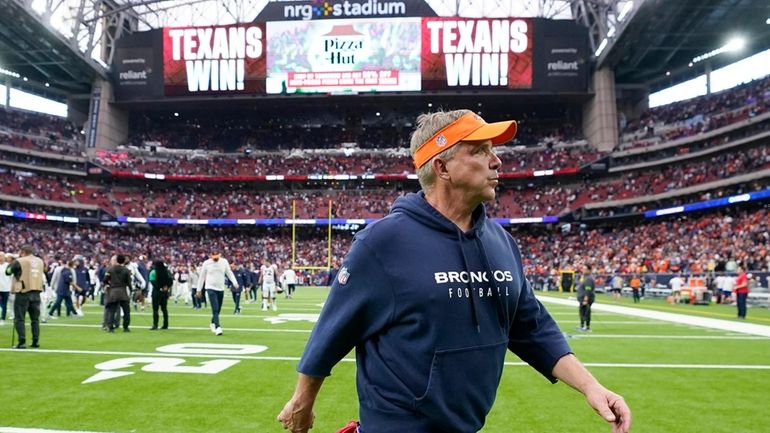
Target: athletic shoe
213,327
275,307
2,322
218,331
19,346
35,345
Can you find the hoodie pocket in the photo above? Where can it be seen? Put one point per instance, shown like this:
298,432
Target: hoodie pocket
462,386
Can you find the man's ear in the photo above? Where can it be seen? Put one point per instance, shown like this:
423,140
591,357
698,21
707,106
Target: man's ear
440,169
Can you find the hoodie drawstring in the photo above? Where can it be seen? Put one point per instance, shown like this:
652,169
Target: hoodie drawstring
474,313
502,306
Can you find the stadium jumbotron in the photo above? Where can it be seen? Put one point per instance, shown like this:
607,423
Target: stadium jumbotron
256,150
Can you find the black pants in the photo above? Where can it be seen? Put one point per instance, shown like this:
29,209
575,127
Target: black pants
636,295
159,300
113,317
740,301
237,301
197,303
585,311
4,304
67,298
27,302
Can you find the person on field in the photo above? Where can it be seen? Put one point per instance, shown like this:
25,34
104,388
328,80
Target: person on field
433,296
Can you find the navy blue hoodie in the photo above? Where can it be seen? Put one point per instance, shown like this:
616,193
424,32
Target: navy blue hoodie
431,312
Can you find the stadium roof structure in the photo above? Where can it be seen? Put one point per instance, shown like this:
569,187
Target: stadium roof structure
662,36
66,43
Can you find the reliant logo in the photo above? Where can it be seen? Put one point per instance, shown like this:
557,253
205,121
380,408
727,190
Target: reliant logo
561,65
329,9
133,75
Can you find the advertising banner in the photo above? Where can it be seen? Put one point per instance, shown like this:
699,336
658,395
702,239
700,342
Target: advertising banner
408,54
305,10
462,53
343,56
214,60
562,56
136,67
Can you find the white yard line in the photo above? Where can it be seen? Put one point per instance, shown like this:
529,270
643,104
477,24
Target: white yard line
670,337
184,328
294,359
703,322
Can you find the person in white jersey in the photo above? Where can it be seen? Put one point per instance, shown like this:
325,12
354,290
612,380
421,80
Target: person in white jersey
676,284
212,280
267,275
289,280
182,285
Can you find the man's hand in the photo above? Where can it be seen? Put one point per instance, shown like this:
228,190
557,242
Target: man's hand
606,403
296,418
199,294
611,407
297,415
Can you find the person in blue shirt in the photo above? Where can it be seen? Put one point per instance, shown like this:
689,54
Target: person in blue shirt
83,281
65,282
433,296
243,277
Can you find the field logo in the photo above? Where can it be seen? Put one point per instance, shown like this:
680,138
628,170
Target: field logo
174,365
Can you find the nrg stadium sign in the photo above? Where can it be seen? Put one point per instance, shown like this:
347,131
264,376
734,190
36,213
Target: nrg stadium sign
292,10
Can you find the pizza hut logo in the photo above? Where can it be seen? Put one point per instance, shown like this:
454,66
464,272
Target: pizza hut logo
441,141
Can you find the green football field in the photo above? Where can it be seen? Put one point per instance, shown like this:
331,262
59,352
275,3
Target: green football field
676,378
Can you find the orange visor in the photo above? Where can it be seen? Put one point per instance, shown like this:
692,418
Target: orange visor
469,127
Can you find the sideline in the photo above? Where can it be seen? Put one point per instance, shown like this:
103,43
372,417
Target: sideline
703,322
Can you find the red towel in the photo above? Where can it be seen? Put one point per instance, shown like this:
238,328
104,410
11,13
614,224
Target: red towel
351,427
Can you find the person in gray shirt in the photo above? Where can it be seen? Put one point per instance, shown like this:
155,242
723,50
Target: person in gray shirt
586,294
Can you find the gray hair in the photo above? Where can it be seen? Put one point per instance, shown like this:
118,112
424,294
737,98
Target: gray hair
428,124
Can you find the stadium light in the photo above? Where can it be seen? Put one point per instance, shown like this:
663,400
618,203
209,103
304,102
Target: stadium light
734,44
11,73
601,48
625,10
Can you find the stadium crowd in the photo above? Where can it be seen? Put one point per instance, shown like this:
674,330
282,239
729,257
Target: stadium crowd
243,201
698,115
689,244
